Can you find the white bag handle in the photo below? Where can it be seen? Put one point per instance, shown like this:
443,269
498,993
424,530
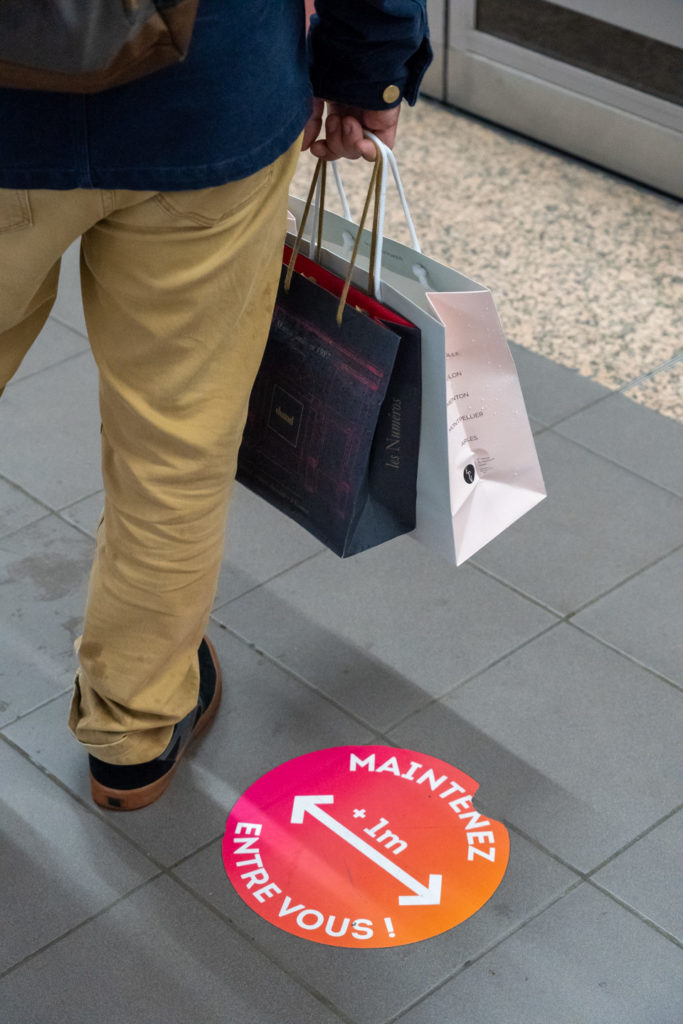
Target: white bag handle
340,189
316,193
390,157
386,158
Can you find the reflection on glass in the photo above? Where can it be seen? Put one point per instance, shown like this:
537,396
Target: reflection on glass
586,42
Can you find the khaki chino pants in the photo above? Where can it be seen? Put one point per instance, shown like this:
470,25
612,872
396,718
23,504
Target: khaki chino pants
178,291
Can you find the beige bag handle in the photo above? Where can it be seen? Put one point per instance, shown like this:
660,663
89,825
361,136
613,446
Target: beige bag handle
373,193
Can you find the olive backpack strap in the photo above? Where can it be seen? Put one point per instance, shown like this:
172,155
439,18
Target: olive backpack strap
72,46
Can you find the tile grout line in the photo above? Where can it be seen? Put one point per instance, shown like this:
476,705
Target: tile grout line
262,950
161,871
668,364
490,574
582,409
380,732
636,913
488,949
263,583
77,927
70,327
636,839
432,700
108,820
678,687
18,381
587,876
37,707
32,522
293,674
85,497
49,510
475,675
567,616
582,879
27,494
542,848
202,848
613,462
55,513
627,579
575,885
168,872
75,526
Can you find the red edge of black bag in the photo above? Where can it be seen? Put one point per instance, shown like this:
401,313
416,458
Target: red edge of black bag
332,435
111,43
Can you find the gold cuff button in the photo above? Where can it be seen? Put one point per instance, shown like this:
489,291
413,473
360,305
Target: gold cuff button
391,94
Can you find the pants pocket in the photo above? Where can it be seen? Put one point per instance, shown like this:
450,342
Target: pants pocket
15,209
208,206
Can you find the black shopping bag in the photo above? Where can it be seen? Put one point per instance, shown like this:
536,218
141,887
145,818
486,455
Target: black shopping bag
332,433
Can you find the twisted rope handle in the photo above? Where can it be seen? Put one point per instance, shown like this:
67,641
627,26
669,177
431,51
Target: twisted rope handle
376,190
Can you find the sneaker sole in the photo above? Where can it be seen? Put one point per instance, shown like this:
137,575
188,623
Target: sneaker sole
134,799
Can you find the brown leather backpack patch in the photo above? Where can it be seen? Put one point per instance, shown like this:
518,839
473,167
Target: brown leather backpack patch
55,45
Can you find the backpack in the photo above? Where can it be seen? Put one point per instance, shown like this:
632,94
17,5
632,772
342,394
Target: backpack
90,45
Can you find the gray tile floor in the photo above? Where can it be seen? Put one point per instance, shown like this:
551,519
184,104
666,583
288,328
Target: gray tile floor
549,669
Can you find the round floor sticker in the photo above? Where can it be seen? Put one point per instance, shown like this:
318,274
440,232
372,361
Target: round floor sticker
364,847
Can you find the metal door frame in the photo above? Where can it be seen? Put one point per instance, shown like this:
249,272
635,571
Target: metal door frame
600,120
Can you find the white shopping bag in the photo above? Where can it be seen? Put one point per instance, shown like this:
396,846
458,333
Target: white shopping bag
478,470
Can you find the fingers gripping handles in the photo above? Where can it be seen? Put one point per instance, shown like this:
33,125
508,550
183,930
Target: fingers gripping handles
376,196
389,160
318,185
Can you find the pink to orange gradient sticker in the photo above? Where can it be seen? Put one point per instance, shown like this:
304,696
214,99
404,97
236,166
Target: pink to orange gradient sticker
364,846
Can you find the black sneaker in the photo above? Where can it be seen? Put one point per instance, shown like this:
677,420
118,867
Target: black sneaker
127,787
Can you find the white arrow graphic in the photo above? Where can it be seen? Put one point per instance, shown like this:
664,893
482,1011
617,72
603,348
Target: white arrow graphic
424,895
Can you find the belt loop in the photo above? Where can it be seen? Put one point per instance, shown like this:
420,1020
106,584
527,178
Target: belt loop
108,198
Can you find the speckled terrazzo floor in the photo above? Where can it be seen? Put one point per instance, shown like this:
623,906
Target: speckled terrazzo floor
585,267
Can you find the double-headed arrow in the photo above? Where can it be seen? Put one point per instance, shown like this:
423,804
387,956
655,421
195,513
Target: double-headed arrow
423,895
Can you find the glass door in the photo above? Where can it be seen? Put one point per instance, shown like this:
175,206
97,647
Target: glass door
602,79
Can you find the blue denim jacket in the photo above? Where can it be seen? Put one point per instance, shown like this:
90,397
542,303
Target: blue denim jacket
235,104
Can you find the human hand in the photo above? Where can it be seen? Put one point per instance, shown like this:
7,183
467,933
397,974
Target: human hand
344,127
